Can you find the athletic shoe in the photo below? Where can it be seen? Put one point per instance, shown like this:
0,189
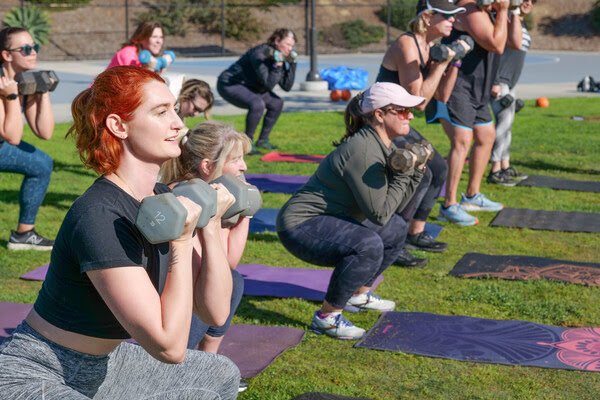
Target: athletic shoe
479,203
243,385
500,178
406,259
457,215
265,144
370,301
30,240
336,326
514,174
253,151
423,241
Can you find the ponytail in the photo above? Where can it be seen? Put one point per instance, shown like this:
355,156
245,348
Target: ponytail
354,118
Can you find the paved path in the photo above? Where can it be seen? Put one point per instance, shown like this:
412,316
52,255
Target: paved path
545,74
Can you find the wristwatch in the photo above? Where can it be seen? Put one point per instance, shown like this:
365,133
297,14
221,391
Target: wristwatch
12,96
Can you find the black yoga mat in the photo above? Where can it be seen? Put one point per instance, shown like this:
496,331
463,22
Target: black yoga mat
548,220
561,184
508,342
476,265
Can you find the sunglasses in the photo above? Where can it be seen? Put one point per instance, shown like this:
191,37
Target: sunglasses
445,16
399,111
27,49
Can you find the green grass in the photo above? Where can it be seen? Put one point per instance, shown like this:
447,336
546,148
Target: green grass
545,142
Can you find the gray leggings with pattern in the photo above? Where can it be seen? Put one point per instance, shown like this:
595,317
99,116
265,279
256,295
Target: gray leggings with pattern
32,367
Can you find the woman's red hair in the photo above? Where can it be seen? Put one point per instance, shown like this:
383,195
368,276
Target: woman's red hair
118,90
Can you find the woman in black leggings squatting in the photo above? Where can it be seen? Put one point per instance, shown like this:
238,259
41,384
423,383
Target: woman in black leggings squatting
249,83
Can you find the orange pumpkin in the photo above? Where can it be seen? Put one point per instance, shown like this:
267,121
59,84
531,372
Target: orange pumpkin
335,95
542,102
346,95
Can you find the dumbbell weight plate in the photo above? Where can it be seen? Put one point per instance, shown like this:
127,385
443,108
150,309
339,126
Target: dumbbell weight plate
238,189
400,160
161,218
202,194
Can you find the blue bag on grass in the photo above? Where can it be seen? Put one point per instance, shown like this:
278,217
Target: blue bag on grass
345,78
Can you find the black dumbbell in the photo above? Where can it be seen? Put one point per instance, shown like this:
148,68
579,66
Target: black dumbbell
31,82
161,218
506,100
519,104
440,52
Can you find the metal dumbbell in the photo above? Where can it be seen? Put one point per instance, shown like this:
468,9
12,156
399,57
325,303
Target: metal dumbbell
440,52
420,150
401,160
31,82
247,198
161,218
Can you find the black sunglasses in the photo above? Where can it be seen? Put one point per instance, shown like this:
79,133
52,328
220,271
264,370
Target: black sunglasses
445,16
27,49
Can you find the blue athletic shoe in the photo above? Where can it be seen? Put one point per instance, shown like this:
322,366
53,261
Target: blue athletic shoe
457,215
479,203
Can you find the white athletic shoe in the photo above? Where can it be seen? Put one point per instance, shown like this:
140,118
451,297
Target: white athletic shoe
370,301
336,326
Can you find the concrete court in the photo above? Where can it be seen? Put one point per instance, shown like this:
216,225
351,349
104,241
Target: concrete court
554,74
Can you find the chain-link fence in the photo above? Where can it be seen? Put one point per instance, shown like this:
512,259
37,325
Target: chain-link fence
96,29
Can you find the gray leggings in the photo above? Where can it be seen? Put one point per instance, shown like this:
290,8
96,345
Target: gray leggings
32,367
505,117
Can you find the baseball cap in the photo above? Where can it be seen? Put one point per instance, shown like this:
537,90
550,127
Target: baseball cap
441,6
382,94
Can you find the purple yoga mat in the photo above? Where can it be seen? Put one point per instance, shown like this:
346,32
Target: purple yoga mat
507,342
38,274
11,315
252,348
276,183
304,283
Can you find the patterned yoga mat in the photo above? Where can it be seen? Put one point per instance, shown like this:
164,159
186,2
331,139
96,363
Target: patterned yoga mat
476,265
507,342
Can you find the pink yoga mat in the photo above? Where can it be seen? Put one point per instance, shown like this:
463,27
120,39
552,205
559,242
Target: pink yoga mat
275,156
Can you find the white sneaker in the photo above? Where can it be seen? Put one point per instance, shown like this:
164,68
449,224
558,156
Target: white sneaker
370,301
336,326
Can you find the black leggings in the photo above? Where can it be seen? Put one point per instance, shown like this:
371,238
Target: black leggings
255,103
423,201
359,252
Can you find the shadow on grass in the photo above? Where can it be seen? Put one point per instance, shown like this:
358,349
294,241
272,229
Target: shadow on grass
264,237
58,200
248,310
543,165
73,168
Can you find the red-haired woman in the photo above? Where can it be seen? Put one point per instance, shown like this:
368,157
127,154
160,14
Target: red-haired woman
106,283
147,36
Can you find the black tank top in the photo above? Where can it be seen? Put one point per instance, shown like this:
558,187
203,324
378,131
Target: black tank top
477,72
387,75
